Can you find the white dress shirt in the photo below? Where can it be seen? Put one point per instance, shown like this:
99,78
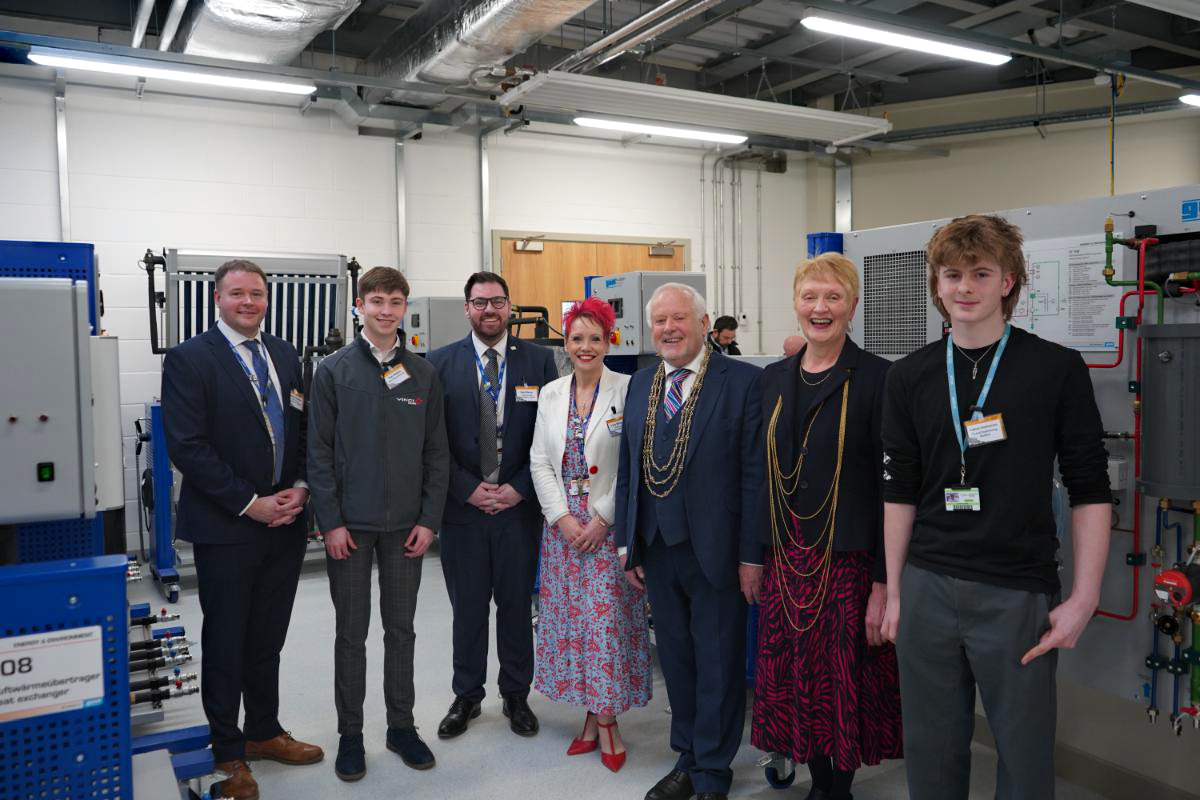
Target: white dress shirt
382,356
690,380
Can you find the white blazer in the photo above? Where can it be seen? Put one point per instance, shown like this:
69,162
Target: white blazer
600,445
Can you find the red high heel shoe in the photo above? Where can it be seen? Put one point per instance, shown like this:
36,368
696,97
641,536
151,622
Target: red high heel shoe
579,745
614,761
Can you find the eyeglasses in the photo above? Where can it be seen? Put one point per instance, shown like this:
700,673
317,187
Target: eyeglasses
480,303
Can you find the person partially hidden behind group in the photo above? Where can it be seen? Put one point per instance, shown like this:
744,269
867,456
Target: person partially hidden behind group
593,640
827,691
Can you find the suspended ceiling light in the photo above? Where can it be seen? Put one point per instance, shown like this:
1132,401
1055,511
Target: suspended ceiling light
660,130
114,65
827,23
1191,99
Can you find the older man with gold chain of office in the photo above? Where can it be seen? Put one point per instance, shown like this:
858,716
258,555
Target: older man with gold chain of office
695,550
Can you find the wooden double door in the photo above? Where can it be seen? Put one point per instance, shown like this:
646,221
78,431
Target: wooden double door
555,274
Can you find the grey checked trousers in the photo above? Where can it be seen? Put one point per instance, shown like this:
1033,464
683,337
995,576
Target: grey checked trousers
350,588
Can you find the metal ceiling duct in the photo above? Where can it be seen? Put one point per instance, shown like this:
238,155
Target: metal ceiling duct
452,43
1184,8
258,31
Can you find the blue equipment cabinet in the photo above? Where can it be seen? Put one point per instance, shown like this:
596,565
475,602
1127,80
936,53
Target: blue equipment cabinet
73,742
162,545
69,538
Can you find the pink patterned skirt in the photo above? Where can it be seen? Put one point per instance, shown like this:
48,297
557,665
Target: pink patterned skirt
824,691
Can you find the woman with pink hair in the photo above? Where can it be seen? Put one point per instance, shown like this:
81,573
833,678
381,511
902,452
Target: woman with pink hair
593,647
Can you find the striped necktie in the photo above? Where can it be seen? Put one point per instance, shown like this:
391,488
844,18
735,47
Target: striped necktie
674,399
272,408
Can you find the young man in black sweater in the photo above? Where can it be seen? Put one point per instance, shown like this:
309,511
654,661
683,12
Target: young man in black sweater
971,428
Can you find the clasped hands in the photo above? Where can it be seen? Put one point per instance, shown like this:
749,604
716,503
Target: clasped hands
278,509
585,538
491,498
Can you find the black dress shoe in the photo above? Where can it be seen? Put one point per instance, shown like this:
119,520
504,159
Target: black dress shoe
677,785
461,712
520,716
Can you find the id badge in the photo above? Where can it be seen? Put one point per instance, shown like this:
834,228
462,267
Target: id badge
615,425
962,498
985,430
527,394
297,400
395,376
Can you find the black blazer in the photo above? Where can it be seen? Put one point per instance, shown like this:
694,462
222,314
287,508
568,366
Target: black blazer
217,437
860,504
528,365
722,481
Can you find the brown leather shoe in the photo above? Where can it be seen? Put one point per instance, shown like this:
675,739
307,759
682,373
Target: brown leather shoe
284,749
240,785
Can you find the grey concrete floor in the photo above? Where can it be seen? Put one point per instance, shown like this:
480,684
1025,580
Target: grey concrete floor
488,762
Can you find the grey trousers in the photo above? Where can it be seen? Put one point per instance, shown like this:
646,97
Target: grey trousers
350,588
956,635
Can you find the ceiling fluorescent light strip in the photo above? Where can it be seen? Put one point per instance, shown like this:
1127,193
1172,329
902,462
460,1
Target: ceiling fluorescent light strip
660,130
1191,99
62,59
824,23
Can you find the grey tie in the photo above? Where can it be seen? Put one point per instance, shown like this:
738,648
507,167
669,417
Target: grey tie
489,461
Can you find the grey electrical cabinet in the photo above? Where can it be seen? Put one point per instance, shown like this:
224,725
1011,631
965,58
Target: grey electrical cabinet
432,322
47,467
628,293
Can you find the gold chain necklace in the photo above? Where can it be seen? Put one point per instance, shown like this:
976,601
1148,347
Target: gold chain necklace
661,479
781,487
807,382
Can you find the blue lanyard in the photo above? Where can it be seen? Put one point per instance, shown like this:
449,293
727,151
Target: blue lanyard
262,390
493,391
585,421
977,409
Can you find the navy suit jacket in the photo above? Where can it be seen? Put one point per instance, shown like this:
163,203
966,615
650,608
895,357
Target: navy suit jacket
217,437
860,509
723,470
528,364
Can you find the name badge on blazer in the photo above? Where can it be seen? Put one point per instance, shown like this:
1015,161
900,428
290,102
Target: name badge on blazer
615,425
297,400
527,394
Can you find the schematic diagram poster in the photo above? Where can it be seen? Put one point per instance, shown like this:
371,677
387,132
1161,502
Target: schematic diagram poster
1066,299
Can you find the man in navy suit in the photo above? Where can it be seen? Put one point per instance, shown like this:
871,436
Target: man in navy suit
691,542
233,417
492,525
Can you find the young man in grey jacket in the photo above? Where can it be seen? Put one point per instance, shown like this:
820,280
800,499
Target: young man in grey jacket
378,475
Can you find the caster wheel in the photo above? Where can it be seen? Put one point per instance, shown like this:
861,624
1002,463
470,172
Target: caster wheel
778,782
173,594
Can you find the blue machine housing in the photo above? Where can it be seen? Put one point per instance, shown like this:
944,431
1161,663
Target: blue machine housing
69,538
162,547
83,752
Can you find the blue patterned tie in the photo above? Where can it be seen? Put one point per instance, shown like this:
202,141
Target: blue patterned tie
271,404
674,399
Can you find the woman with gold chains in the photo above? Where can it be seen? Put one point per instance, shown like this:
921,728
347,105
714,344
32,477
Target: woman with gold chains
826,685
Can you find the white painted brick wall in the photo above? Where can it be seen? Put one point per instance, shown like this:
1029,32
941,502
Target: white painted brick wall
172,171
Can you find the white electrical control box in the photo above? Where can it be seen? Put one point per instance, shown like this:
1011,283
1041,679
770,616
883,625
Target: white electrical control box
1118,473
433,322
628,293
48,469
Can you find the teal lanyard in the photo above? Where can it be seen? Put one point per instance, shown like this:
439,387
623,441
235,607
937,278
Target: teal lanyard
977,408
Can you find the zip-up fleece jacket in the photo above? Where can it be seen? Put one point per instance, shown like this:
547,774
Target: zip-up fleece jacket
378,458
